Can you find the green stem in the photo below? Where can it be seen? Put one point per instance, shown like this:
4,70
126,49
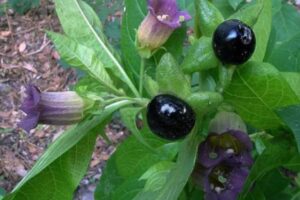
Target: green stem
142,71
140,101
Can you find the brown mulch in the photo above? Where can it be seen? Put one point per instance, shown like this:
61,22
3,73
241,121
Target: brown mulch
28,56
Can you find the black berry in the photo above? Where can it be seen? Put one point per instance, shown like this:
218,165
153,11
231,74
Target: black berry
170,117
233,42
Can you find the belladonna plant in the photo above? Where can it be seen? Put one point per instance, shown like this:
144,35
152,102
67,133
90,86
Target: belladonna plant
162,19
56,108
224,158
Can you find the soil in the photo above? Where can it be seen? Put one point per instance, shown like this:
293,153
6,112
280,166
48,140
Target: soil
28,56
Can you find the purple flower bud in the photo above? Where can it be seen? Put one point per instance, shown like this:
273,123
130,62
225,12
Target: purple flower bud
224,158
56,108
162,19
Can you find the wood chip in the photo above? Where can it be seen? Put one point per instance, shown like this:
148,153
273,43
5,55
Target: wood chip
22,47
29,67
5,33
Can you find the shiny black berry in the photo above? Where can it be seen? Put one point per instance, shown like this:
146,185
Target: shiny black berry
233,42
170,117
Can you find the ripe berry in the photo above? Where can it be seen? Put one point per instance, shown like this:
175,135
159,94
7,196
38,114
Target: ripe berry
170,117
233,42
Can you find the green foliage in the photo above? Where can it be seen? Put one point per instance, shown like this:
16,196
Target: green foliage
131,160
76,13
84,58
284,43
235,3
249,14
262,29
170,78
178,175
135,12
208,17
289,49
104,9
200,56
291,115
279,153
264,92
257,89
294,80
22,6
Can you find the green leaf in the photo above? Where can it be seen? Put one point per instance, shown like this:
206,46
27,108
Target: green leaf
151,86
131,160
286,22
84,58
203,102
170,78
179,175
286,56
257,89
80,22
156,175
58,172
257,194
262,30
273,183
90,88
291,116
278,153
129,116
128,189
224,7
134,158
208,17
132,17
248,14
235,3
200,56
294,80
22,6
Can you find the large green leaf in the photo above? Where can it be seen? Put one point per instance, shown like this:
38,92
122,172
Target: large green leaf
248,14
129,117
200,57
286,55
133,16
134,158
80,22
156,175
170,78
286,21
90,88
291,116
235,3
130,161
279,153
178,175
262,30
293,79
257,89
208,17
60,169
84,58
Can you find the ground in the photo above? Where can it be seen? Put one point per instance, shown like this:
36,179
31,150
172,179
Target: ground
28,56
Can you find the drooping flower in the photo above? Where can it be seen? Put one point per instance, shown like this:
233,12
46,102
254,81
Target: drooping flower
55,108
162,19
224,158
